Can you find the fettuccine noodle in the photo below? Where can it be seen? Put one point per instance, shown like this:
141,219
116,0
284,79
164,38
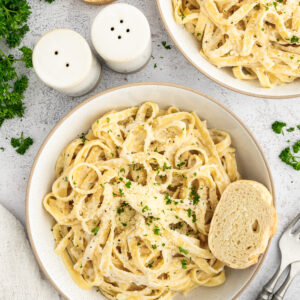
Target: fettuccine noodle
257,38
133,201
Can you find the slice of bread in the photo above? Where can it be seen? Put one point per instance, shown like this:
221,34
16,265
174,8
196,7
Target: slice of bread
242,225
98,2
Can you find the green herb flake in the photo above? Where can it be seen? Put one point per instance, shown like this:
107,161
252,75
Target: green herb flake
291,129
277,126
294,39
145,208
164,43
183,250
167,197
287,156
183,263
189,212
154,247
95,230
128,184
107,120
166,167
156,230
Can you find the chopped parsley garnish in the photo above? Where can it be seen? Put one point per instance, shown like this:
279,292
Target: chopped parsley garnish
289,158
298,126
195,197
291,129
2,148
167,197
189,212
154,246
165,167
194,218
120,210
107,120
182,16
275,4
294,39
128,184
278,126
164,43
198,34
145,208
95,230
163,244
296,147
121,192
150,265
124,224
156,230
183,250
66,179
122,170
181,164
183,263
20,143
155,66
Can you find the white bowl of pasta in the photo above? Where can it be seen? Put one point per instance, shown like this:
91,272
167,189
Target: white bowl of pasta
122,202
238,46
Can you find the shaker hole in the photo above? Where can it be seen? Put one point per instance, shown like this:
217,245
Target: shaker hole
56,52
119,37
121,21
127,30
67,65
112,28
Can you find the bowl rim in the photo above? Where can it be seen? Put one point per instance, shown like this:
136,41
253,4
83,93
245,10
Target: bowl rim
205,73
107,91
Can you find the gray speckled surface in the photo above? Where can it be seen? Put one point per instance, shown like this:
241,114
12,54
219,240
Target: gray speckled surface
45,107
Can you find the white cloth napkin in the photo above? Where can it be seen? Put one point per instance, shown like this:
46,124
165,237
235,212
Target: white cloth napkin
20,277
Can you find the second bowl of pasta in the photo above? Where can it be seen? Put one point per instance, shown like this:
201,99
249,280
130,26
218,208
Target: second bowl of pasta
251,47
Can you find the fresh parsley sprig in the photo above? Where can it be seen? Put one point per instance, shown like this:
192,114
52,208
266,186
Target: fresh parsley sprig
290,158
13,21
12,87
21,144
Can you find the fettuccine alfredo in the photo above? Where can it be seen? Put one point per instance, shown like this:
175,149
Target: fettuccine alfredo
258,39
133,200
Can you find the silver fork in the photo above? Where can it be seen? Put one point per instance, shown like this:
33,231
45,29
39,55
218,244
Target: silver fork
289,245
295,269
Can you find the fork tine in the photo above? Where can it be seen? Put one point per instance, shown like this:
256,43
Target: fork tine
290,227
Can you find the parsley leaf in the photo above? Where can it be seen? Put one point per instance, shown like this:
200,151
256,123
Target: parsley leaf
183,263
95,230
164,43
183,250
13,18
128,184
21,144
278,126
287,156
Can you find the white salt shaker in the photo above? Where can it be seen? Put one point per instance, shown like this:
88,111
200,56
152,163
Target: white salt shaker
63,60
121,35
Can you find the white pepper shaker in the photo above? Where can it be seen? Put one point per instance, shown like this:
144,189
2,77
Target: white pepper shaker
63,60
121,35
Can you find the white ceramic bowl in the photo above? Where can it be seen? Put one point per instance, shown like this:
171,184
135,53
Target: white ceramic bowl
251,163
189,47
